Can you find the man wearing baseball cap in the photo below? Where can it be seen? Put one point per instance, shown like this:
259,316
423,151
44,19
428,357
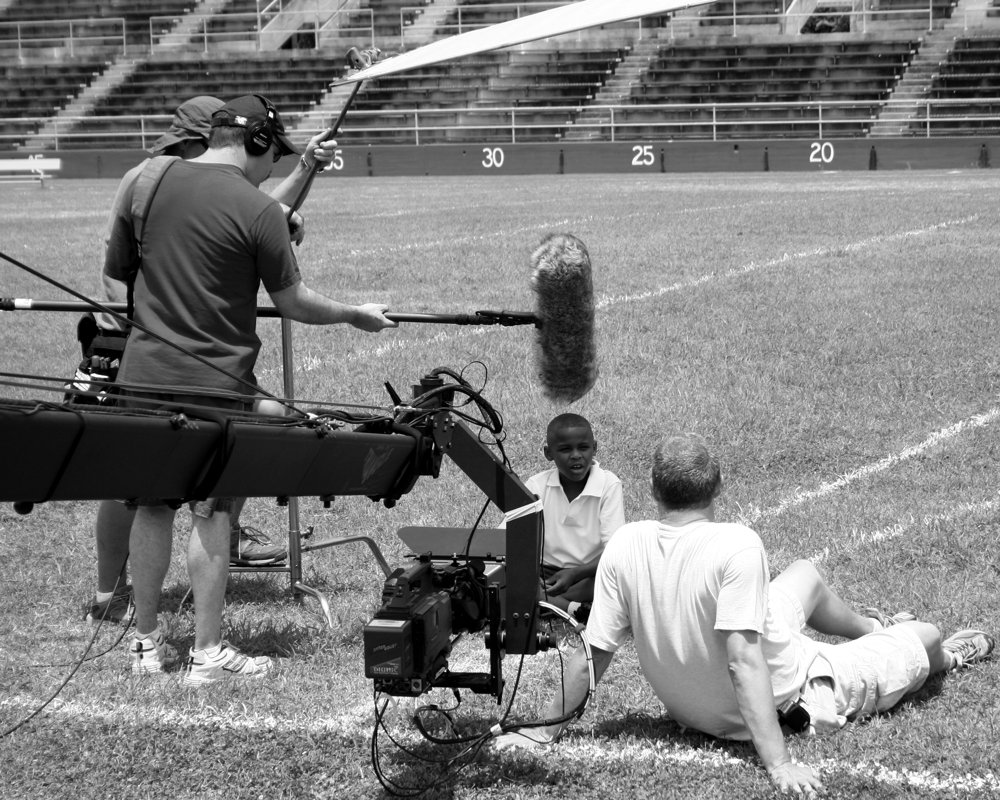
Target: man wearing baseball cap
209,241
188,133
186,138
242,111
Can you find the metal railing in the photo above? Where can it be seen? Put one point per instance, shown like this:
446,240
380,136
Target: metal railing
521,124
462,22
792,21
71,34
225,32
622,123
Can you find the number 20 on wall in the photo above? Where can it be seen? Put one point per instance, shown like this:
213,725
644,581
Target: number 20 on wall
821,153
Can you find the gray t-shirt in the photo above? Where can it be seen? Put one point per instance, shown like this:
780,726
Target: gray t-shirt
210,240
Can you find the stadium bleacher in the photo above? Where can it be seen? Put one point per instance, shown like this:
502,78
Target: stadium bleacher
971,73
684,88
136,13
843,68
39,90
293,82
557,78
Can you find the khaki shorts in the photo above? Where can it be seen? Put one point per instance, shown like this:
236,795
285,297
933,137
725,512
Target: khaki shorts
858,678
200,508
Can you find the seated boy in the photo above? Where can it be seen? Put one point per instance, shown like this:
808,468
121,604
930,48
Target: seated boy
581,506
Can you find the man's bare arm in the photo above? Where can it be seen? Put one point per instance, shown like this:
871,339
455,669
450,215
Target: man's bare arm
752,682
302,304
320,149
577,684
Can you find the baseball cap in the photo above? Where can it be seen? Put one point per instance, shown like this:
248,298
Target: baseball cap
192,120
239,112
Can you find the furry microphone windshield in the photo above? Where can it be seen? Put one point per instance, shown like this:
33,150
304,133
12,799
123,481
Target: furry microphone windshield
565,350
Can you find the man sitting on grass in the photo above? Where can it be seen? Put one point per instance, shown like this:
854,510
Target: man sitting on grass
723,646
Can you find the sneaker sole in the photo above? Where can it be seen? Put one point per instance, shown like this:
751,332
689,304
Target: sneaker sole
151,669
196,682
157,670
259,562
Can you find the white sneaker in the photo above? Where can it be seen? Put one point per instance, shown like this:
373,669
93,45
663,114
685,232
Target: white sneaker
151,653
200,670
968,647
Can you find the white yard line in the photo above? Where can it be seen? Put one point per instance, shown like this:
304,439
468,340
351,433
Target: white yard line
612,300
607,301
936,438
358,721
452,241
897,529
546,226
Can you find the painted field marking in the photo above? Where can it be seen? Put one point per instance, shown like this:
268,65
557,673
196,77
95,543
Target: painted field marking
936,438
358,720
612,300
899,528
607,301
546,226
453,241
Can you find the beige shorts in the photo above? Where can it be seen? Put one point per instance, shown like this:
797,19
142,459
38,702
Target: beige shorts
868,675
200,508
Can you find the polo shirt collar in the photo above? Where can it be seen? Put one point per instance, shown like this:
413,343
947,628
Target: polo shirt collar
592,487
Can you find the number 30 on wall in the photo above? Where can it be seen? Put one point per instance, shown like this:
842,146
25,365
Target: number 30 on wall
821,153
493,157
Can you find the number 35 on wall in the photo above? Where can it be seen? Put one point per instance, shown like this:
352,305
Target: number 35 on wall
821,153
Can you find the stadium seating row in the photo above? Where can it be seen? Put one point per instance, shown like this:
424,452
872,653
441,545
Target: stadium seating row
557,82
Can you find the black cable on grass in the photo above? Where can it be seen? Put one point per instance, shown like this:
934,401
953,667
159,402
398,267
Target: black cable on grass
474,742
76,666
126,624
448,765
447,768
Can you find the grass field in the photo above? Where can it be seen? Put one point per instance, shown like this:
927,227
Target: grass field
834,336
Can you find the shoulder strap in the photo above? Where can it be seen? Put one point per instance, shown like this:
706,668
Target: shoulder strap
145,187
146,184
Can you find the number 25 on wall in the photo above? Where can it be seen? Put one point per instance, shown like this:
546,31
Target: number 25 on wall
643,155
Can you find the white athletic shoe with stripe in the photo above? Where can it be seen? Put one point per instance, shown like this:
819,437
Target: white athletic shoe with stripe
151,653
200,670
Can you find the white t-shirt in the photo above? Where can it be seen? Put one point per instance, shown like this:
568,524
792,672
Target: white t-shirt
577,532
678,590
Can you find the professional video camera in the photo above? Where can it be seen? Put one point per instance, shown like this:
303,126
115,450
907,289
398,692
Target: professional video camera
462,580
408,642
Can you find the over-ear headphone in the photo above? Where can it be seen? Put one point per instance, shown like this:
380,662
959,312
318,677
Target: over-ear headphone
259,135
260,132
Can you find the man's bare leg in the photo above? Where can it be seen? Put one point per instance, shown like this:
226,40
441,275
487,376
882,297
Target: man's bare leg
208,567
112,531
825,611
150,544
